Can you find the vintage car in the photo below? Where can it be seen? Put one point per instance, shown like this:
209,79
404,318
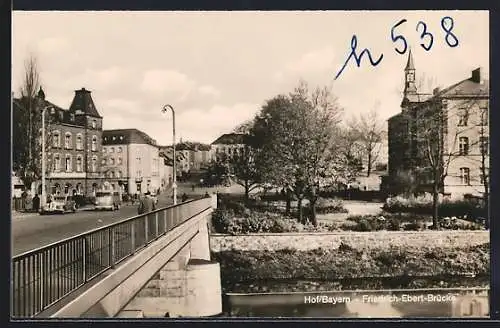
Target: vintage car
59,204
108,200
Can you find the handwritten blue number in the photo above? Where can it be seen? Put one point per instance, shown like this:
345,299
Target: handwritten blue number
424,34
357,58
399,37
449,34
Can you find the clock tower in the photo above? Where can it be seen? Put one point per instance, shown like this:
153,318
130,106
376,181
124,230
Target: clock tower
410,86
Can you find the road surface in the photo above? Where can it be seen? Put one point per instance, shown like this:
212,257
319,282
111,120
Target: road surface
35,231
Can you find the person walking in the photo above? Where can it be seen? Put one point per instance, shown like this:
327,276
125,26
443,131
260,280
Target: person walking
146,204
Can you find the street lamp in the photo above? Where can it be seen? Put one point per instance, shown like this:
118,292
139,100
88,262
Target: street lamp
44,197
174,185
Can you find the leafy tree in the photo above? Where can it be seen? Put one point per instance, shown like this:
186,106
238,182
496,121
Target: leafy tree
296,136
245,167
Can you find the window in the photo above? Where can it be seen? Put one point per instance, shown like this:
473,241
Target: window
118,174
79,167
111,150
463,146
67,163
119,160
484,143
103,162
94,164
103,149
79,142
72,117
111,174
484,116
67,140
94,143
94,124
56,139
57,163
119,150
465,175
463,117
111,161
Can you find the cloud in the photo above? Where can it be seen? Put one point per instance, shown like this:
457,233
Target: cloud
167,83
53,45
197,124
209,90
316,60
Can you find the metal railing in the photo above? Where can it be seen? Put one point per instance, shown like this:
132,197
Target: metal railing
43,276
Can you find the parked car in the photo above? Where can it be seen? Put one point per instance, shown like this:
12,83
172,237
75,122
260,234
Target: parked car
60,204
108,200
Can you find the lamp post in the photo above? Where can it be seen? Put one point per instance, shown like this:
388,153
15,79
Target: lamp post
174,184
44,196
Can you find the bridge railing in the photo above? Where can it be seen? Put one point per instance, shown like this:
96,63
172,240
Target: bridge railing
43,276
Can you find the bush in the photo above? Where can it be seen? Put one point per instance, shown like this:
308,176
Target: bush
221,220
415,226
423,205
326,206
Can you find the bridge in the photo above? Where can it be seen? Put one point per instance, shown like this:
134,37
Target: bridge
151,265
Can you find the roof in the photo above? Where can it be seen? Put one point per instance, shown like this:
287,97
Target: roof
230,139
188,145
83,104
126,136
467,87
409,64
57,114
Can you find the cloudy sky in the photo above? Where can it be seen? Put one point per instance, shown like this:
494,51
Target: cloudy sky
218,68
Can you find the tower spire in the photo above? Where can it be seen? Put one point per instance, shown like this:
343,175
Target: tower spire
409,64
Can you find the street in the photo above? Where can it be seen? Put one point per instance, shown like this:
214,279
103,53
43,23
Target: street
39,230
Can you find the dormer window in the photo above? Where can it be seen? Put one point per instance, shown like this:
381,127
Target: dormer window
114,138
94,124
121,137
72,117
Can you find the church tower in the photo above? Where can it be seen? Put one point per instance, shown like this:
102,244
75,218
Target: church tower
410,94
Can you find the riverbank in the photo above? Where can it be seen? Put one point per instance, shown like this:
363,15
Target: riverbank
349,268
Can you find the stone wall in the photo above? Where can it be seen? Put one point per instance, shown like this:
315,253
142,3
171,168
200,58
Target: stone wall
358,240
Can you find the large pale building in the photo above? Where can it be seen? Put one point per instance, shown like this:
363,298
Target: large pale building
464,136
73,153
131,160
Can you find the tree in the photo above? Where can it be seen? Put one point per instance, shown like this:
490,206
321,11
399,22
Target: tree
439,145
370,131
26,124
245,166
244,127
296,136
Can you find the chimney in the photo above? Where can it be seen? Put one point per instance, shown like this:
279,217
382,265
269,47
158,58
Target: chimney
478,75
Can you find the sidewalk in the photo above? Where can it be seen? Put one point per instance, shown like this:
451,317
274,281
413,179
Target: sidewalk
20,215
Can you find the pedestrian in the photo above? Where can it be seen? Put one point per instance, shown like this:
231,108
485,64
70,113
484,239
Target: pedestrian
146,204
192,187
184,197
206,194
36,203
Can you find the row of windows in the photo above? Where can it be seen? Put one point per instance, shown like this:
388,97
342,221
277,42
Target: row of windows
111,161
68,141
112,150
465,176
68,163
113,174
464,146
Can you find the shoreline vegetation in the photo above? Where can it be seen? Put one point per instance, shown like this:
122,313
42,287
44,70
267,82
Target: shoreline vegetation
346,268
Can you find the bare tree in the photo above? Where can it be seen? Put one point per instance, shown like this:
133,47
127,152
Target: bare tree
439,145
370,131
27,122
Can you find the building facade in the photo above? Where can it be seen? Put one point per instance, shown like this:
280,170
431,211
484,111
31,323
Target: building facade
73,151
228,144
132,160
463,135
